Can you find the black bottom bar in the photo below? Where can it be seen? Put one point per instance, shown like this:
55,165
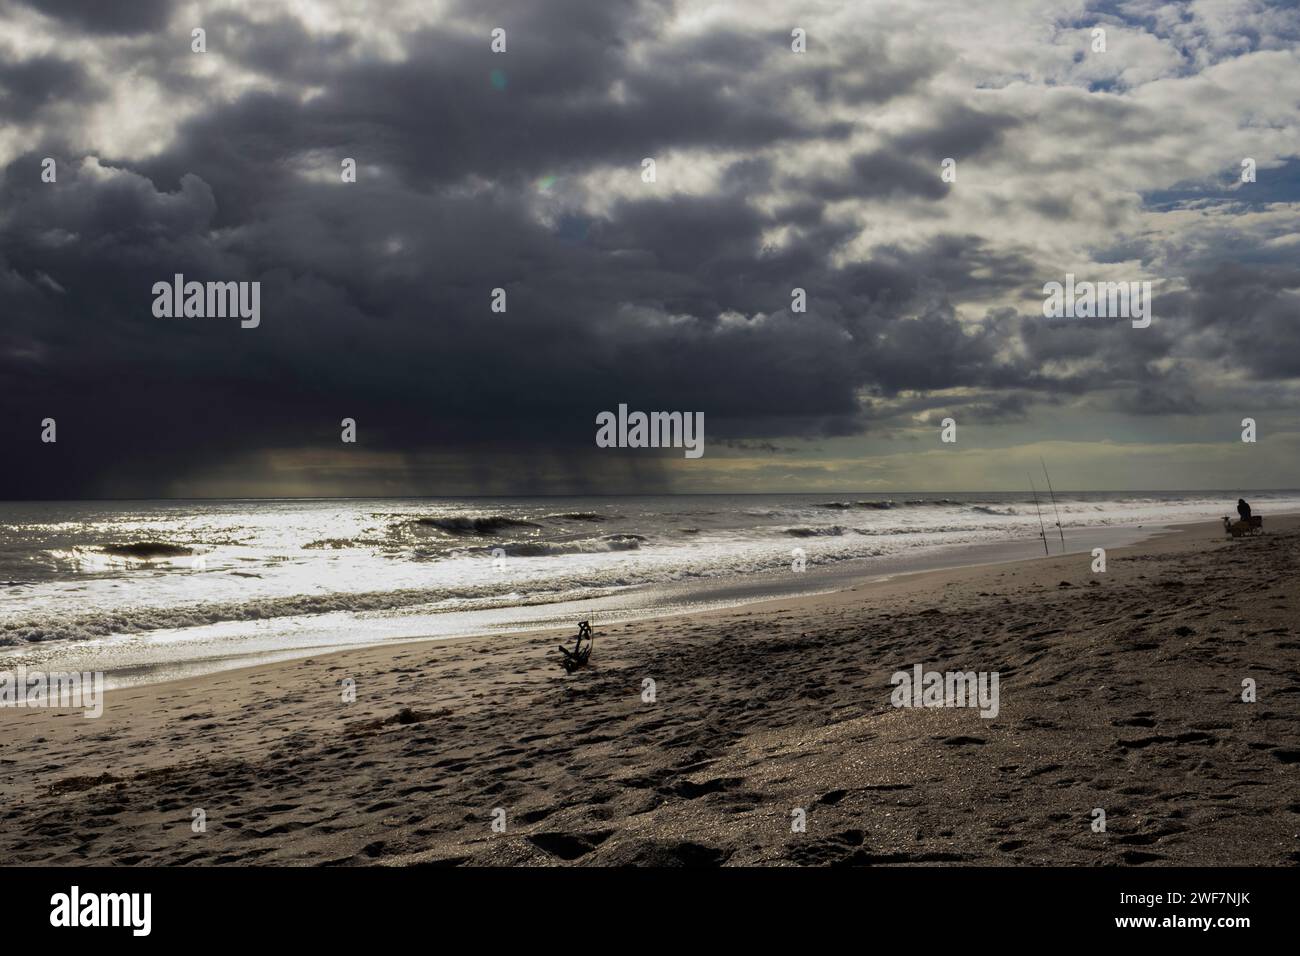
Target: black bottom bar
946,905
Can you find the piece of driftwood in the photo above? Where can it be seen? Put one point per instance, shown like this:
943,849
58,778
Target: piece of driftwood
578,657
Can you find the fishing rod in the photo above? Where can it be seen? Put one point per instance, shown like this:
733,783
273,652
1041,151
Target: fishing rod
1043,535
1059,529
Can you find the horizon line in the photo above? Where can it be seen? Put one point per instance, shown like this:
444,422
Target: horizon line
660,494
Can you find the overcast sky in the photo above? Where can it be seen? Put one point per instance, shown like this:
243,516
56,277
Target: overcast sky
523,170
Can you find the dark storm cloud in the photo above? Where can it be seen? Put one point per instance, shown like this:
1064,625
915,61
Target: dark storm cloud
1239,317
376,295
281,47
29,86
1246,317
405,343
1010,407
879,175
437,116
907,165
959,131
104,16
1171,396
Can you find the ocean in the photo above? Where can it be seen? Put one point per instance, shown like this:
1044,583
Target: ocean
151,590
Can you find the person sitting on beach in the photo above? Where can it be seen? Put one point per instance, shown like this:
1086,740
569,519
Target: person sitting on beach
1243,509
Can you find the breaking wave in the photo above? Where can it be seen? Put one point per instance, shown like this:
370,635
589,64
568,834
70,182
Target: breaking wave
540,549
831,531
135,620
485,525
846,505
146,550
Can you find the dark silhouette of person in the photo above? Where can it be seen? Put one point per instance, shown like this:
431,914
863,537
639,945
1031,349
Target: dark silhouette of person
1243,509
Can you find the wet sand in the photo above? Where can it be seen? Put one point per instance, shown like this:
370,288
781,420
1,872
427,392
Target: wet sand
1119,691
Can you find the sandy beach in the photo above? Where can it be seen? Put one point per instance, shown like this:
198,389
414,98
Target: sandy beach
1119,691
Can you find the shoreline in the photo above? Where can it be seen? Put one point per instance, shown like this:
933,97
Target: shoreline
156,657
1118,691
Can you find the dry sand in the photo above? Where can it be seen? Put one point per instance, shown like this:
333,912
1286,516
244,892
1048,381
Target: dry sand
1120,691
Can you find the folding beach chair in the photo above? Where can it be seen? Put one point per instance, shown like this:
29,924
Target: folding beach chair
1252,525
